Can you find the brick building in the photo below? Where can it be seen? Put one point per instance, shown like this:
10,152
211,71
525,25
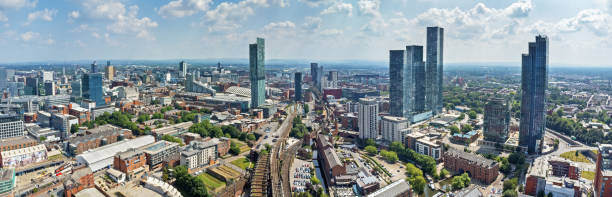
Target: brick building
130,162
478,167
331,163
16,143
96,138
80,179
562,167
603,172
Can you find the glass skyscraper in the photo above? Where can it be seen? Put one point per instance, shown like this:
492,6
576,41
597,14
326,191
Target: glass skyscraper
257,73
298,86
434,69
405,69
534,81
91,86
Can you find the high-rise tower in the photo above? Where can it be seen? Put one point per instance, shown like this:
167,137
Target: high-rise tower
434,68
404,65
182,69
534,82
298,86
257,73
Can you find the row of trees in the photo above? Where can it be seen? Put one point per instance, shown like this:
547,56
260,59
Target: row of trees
299,129
460,182
427,163
570,127
206,129
188,184
414,176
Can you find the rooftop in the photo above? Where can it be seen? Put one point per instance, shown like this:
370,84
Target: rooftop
7,174
392,189
158,147
479,160
23,151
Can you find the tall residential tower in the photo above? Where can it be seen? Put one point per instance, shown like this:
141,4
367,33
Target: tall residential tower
257,73
298,86
406,77
434,68
368,118
534,81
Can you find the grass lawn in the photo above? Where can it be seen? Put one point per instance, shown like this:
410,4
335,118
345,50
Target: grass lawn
243,163
571,155
588,175
211,182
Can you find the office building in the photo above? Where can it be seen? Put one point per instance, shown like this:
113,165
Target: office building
257,73
199,154
478,167
496,120
92,88
434,68
63,123
11,126
332,76
603,172
103,157
393,128
7,181
534,82
94,67
109,72
368,115
161,151
50,88
406,91
77,91
31,86
298,87
183,69
47,76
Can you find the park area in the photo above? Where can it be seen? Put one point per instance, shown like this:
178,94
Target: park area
212,183
575,156
242,163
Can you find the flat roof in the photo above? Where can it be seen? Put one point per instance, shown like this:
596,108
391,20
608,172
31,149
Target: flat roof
392,189
102,157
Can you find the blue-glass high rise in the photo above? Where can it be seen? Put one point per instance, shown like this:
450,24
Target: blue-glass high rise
298,86
534,82
91,85
257,73
434,69
405,69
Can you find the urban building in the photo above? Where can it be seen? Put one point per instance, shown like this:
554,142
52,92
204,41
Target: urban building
479,168
393,128
17,143
23,157
7,181
103,157
399,188
92,88
603,172
496,120
534,83
368,118
130,162
109,72
298,87
199,154
257,73
406,91
332,76
332,166
161,151
77,91
63,123
183,69
434,68
95,138
11,126
94,67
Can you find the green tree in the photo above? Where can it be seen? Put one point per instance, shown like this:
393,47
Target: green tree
412,170
306,108
234,149
371,150
453,129
251,137
74,128
461,116
510,184
314,180
510,193
170,138
418,184
466,128
517,158
472,114
389,156
444,173
370,142
42,138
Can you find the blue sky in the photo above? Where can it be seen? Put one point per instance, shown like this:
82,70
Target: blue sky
580,32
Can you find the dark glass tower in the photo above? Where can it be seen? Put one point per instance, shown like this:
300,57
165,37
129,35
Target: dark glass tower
496,120
534,81
257,73
92,88
298,86
404,67
434,69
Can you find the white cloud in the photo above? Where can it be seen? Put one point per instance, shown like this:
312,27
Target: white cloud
182,8
315,3
226,15
369,7
312,23
17,4
339,7
519,9
279,25
27,36
74,15
49,41
121,20
45,15
331,32
594,20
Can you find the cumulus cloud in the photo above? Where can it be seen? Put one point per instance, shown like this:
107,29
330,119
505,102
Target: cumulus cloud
182,8
74,15
45,15
331,32
226,15
121,19
519,9
369,7
592,20
17,4
279,25
339,7
3,17
28,36
312,23
315,3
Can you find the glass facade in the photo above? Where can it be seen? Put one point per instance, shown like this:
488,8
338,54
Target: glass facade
298,86
406,70
257,73
92,88
434,69
534,81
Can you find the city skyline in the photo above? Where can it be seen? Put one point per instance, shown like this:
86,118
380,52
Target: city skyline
483,32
